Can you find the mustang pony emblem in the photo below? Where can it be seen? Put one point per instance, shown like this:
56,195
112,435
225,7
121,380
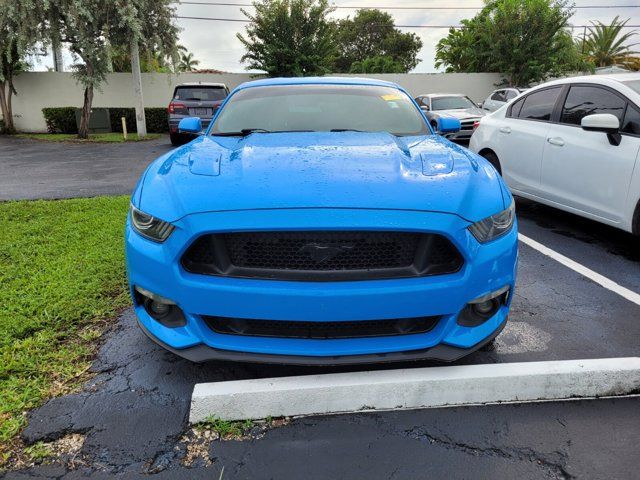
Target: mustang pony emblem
321,252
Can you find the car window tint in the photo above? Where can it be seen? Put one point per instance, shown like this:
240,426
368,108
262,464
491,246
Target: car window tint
511,95
452,103
515,108
631,122
498,96
584,100
539,105
321,108
200,94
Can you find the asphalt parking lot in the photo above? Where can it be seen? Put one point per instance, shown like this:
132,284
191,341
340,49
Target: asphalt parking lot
132,416
31,169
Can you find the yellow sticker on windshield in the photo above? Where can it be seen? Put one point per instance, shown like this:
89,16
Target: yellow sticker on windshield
391,97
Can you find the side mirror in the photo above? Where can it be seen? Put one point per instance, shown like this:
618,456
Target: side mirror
448,125
480,104
190,125
424,108
605,123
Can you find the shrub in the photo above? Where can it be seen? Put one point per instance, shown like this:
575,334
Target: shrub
156,119
60,119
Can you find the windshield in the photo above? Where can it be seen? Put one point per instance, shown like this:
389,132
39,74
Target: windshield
451,103
633,84
320,108
200,94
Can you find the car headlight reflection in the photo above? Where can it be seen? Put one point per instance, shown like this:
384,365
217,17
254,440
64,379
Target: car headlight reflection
149,226
494,226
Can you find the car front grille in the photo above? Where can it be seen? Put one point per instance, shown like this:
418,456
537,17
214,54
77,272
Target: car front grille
322,255
467,125
320,330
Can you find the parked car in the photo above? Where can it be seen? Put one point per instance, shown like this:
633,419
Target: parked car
194,100
500,97
572,144
440,105
321,221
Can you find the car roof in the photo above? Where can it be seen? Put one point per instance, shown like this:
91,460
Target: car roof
606,79
319,81
201,84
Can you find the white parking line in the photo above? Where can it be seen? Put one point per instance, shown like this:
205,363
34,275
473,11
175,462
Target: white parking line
415,388
582,270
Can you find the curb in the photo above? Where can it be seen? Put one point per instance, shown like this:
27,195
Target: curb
415,388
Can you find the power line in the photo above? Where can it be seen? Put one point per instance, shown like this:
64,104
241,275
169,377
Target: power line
242,20
224,4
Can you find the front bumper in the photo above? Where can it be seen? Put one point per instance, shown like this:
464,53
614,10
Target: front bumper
156,267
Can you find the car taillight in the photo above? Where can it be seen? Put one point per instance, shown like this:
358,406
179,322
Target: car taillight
476,124
178,108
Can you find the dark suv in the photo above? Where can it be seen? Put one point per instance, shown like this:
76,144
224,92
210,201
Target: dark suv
194,100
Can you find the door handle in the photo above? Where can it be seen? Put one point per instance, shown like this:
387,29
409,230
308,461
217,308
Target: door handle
557,141
505,130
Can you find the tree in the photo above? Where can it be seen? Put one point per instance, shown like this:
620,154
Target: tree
372,34
187,62
606,45
19,33
289,38
379,64
150,61
525,40
92,27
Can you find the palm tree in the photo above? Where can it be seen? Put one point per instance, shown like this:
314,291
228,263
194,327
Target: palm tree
187,62
606,45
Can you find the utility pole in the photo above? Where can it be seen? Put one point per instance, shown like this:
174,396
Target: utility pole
141,122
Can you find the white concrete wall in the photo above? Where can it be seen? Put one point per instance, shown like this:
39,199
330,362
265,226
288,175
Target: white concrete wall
37,90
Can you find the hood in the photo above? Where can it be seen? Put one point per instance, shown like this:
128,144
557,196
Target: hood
461,114
319,170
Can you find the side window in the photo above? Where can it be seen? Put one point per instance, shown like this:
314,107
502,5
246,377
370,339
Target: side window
515,109
420,101
539,105
586,100
631,122
498,96
511,94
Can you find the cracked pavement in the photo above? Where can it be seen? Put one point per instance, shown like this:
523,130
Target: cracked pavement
133,413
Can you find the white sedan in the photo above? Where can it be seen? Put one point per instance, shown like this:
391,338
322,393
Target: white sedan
571,144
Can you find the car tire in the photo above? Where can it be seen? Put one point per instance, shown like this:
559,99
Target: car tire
434,125
176,139
492,158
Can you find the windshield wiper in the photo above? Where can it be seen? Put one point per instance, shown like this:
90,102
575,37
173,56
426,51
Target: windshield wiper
242,133
248,131
345,130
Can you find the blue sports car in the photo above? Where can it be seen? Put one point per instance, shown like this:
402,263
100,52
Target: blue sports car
321,221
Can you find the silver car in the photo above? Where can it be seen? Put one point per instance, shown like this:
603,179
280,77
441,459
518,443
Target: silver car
438,105
500,97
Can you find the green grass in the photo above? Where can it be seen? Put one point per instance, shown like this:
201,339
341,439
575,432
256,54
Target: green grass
225,428
115,137
61,279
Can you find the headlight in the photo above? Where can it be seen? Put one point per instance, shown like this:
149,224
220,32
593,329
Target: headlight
494,226
150,227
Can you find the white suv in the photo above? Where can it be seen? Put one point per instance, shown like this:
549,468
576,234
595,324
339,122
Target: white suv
572,144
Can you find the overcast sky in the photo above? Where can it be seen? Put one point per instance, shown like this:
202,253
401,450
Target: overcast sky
216,46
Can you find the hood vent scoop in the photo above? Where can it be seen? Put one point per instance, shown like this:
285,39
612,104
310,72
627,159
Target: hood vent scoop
203,163
436,163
